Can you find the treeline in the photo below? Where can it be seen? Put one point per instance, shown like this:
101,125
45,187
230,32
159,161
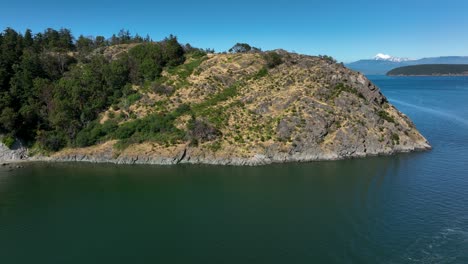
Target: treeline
431,69
52,86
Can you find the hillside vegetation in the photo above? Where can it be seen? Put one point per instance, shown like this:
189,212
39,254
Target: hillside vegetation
132,100
431,69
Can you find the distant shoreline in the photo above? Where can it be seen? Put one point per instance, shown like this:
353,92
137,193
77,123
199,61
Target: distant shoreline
427,75
431,70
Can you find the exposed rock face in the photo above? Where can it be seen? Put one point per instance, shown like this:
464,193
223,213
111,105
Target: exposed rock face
17,152
308,108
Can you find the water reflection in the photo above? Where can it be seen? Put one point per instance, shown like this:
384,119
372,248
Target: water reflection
294,209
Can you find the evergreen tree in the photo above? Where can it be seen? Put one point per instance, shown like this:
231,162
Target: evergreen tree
49,97
173,51
84,44
124,36
100,41
28,39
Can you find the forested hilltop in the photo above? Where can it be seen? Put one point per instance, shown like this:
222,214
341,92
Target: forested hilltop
129,99
52,87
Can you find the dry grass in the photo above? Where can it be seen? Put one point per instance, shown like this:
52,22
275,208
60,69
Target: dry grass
248,120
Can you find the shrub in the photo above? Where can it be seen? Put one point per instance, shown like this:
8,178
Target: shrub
223,95
155,127
272,59
327,58
133,98
162,89
202,131
95,132
183,71
240,48
261,73
109,126
396,139
51,140
385,116
129,100
87,137
126,130
8,141
340,87
215,146
193,142
198,53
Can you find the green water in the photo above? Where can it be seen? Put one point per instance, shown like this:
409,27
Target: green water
408,208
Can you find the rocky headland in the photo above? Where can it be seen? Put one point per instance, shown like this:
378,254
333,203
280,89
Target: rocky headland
244,111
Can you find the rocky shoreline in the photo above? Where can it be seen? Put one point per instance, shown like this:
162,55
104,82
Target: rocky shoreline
428,75
189,155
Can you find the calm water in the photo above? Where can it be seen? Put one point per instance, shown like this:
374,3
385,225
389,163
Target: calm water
409,208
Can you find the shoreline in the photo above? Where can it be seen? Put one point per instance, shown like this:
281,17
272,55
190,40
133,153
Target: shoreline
427,75
256,160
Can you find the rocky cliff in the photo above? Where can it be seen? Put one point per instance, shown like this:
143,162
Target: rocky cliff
244,111
16,152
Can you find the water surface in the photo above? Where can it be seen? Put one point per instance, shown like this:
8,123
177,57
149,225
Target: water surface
408,208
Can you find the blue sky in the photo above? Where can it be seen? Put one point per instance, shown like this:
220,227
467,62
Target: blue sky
346,30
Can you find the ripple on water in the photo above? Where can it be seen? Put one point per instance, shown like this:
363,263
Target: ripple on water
440,113
448,245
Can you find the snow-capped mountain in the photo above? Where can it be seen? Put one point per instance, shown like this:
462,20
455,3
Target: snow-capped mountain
385,57
383,63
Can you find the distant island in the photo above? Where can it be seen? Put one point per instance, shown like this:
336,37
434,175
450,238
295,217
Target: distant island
128,99
382,63
431,70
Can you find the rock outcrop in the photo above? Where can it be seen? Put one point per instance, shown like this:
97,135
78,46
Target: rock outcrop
17,152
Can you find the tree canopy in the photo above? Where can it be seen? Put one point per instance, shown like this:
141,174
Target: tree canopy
242,48
53,86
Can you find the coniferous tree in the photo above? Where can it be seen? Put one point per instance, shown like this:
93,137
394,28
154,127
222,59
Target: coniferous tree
28,39
52,96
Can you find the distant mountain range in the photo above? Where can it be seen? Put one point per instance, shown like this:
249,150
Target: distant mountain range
382,63
385,57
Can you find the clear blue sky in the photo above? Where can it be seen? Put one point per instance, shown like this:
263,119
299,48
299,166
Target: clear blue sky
346,30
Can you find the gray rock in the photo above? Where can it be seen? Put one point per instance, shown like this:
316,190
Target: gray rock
17,152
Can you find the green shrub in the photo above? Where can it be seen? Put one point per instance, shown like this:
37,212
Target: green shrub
183,71
215,146
126,130
385,116
155,127
197,54
51,140
327,58
94,133
272,59
340,87
223,95
133,98
396,139
149,59
261,73
241,48
8,141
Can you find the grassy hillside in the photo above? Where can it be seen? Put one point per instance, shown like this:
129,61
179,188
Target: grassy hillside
431,69
143,100
239,105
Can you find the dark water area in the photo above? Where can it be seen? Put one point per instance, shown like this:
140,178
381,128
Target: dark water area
407,208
